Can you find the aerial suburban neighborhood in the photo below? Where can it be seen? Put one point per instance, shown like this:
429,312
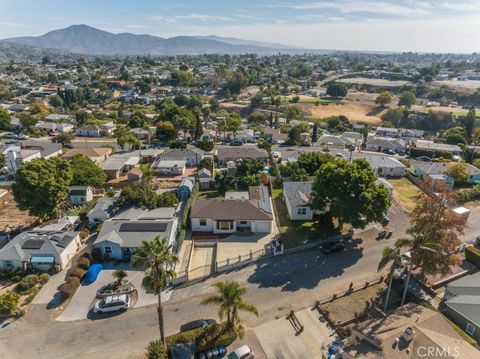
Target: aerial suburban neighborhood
212,197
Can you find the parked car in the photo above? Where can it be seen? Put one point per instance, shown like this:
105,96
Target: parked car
11,136
339,155
236,143
332,247
424,159
388,151
200,323
23,137
244,352
112,303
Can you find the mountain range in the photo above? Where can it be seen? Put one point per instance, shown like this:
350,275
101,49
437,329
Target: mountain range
84,39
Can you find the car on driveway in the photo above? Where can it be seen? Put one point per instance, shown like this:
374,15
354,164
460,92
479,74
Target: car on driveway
112,303
388,151
236,143
244,352
330,248
199,323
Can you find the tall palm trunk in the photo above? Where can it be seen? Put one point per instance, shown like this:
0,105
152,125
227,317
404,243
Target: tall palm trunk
406,288
160,317
389,288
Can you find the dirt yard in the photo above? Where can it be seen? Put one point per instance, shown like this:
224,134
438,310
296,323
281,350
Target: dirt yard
11,216
404,193
347,307
356,112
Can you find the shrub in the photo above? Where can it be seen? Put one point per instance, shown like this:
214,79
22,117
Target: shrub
78,272
75,281
43,278
84,263
468,194
156,350
27,282
18,275
8,302
473,255
84,233
69,288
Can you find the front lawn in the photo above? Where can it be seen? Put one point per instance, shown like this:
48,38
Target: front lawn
293,233
404,192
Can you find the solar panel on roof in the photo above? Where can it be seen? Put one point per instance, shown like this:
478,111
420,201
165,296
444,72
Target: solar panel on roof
143,227
32,244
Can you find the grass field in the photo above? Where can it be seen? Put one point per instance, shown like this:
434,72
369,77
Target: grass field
293,233
404,193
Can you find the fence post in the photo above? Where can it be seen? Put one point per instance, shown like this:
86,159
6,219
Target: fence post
251,255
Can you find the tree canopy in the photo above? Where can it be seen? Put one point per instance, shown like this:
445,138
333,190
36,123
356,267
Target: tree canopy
141,194
407,99
348,192
42,185
86,172
337,89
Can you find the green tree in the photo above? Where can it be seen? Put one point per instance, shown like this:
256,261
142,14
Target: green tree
315,133
468,154
234,123
348,192
455,136
293,113
235,83
407,99
157,259
3,161
125,137
119,275
5,120
294,135
64,138
165,130
337,89
225,182
41,186
86,172
28,122
198,129
55,101
156,350
459,172
167,199
206,145
207,163
139,194
470,123
229,298
383,98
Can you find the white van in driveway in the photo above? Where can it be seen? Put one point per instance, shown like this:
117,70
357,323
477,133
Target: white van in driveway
112,303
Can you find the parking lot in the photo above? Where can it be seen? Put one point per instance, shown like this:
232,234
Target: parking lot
79,306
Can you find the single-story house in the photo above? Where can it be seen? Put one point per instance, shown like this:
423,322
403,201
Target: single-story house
186,187
191,155
40,249
80,195
205,179
16,158
462,304
386,132
120,163
47,149
437,172
430,145
105,129
410,332
55,127
54,117
226,154
229,216
142,133
375,143
384,166
102,211
169,167
273,135
296,196
122,234
97,154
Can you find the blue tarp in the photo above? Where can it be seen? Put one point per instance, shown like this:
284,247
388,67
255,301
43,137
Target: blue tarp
92,273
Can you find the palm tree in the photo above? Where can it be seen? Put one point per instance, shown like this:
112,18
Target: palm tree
159,262
229,298
390,255
422,252
119,275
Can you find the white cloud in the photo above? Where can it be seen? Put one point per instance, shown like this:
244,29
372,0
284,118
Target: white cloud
199,17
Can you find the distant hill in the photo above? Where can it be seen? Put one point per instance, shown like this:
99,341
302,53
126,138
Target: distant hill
88,40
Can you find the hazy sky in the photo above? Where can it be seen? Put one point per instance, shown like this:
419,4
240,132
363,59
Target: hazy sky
398,25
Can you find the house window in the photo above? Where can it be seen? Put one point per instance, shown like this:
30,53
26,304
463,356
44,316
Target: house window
243,222
203,221
301,211
8,264
126,251
470,329
108,250
223,226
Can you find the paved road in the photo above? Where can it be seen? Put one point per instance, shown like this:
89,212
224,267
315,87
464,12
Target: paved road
275,285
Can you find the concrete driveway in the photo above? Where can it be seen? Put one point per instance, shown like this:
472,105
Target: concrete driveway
78,308
280,338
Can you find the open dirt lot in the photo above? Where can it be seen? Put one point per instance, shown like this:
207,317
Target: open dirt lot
356,112
10,214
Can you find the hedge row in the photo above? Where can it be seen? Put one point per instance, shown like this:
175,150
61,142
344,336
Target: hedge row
473,255
417,152
468,194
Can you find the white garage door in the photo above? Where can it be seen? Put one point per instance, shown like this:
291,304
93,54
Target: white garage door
262,227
